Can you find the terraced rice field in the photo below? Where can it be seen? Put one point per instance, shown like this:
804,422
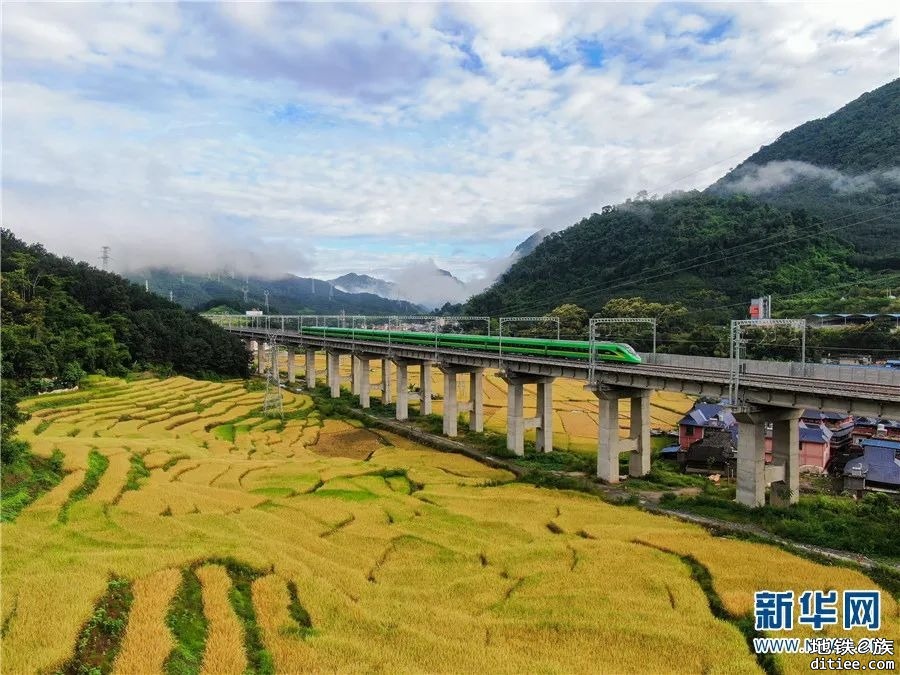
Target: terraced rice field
575,410
216,540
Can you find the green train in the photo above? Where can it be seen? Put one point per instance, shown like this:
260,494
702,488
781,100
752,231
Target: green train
561,349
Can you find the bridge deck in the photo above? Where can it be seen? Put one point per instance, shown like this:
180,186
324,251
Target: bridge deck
861,391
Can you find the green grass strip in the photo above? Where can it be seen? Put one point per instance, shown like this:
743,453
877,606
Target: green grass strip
768,663
242,577
174,460
101,637
299,614
97,464
26,480
137,471
188,625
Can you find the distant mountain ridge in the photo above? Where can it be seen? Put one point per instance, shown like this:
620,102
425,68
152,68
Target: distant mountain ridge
450,275
288,294
363,283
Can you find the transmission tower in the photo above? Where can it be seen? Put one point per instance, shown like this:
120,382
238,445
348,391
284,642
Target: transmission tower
170,296
245,290
104,256
266,293
272,406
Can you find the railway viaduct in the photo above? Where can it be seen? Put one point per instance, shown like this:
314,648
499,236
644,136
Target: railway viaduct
771,393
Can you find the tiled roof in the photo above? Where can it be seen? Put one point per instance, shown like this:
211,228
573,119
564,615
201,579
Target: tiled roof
815,433
880,443
707,414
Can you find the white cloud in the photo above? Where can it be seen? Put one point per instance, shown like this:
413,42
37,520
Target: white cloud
70,34
237,125
779,174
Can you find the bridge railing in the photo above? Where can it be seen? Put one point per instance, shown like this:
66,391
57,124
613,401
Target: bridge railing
813,371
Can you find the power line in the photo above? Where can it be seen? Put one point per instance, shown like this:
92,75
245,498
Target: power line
587,293
795,294
677,270
694,173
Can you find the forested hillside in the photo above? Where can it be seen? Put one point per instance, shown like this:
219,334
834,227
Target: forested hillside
708,253
813,219
844,166
862,136
62,318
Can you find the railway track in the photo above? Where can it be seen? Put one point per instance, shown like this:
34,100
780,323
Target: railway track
581,370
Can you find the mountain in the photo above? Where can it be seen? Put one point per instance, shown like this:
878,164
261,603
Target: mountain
61,319
449,275
363,283
694,249
805,218
527,246
844,168
862,136
287,295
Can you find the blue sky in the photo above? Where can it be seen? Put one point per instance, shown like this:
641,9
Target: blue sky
390,138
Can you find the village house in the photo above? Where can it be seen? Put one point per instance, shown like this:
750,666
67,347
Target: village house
710,431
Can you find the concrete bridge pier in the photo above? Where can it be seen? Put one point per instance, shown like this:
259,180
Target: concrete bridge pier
453,406
544,433
402,407
385,381
786,453
310,368
403,394
354,374
333,372
291,374
361,379
610,446
260,357
517,423
250,346
476,400
425,388
784,472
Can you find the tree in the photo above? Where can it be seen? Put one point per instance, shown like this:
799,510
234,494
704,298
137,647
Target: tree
667,315
11,448
572,320
71,375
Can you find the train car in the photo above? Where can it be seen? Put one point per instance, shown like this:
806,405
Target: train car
561,349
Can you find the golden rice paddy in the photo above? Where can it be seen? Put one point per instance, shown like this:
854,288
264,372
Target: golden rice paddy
575,409
405,559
